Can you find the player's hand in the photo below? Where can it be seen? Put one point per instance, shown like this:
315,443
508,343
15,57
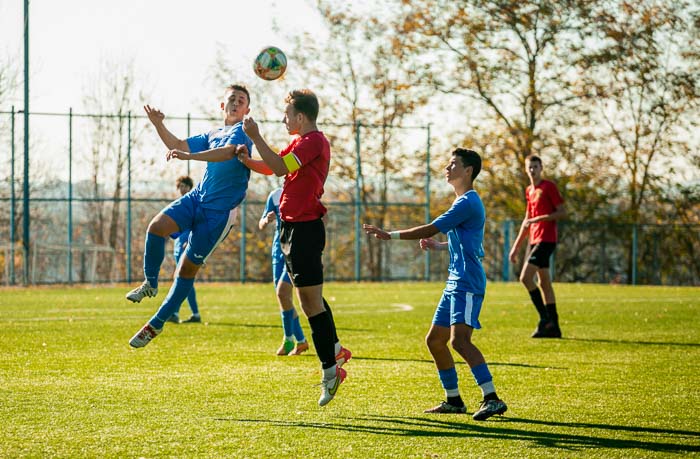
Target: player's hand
242,153
270,217
250,127
376,232
429,244
177,154
154,115
512,256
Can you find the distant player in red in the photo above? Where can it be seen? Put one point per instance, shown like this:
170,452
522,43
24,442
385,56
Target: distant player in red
544,207
304,164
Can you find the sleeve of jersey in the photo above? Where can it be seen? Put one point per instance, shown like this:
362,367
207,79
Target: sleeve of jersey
303,153
198,143
554,195
459,212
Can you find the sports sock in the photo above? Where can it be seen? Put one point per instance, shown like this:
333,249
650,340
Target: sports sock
176,295
330,313
322,336
153,257
287,326
536,297
298,331
449,381
552,312
192,301
483,379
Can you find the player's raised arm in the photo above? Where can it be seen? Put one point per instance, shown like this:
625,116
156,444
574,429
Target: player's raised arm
156,117
271,159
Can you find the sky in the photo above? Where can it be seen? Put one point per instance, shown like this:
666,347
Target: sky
172,42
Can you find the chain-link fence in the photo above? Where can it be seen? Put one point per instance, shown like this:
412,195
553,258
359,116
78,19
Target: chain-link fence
93,182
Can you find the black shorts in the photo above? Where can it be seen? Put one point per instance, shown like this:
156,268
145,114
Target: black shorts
540,253
302,244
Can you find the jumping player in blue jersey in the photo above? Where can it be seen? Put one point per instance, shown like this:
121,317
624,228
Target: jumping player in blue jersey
184,184
283,284
457,314
208,211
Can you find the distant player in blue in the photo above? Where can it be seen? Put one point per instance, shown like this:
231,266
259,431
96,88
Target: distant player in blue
208,211
283,284
184,184
457,314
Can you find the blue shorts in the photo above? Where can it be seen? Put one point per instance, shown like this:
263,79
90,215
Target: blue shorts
208,227
458,306
279,271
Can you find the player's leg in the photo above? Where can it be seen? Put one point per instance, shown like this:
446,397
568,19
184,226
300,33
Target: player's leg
527,278
551,329
285,299
206,235
465,312
437,338
159,229
302,244
285,289
194,307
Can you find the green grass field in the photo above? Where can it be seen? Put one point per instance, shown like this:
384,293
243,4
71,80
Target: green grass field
622,383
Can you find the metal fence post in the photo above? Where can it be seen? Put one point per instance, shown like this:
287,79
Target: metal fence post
358,175
426,271
25,187
634,254
128,198
243,207
188,136
70,195
13,217
505,275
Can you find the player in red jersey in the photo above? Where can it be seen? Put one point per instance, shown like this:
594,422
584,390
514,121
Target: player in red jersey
544,207
304,164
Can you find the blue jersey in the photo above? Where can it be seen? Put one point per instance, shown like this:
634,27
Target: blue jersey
273,205
464,225
224,184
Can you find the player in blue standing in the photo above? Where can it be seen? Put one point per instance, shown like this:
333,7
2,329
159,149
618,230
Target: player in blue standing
208,211
305,163
283,285
184,184
457,314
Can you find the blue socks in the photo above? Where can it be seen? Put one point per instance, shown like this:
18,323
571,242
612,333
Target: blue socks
448,379
483,378
177,294
298,332
192,301
287,319
153,256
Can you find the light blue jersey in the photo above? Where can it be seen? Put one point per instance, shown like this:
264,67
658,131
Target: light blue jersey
225,183
464,225
273,205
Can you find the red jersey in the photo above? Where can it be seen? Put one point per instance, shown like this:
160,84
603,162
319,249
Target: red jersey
303,188
542,199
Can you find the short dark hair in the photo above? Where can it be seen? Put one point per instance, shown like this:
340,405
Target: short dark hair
469,158
534,158
304,101
186,180
238,87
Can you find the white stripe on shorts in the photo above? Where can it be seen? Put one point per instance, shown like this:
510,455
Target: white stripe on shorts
229,225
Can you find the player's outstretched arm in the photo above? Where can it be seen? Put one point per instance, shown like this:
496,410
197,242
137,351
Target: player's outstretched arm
417,232
272,159
156,117
215,155
253,164
432,244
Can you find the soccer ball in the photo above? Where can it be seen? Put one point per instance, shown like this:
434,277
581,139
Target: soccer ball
270,63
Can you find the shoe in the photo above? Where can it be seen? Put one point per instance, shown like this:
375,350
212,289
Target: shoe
194,319
143,290
488,408
547,329
330,387
300,348
174,319
446,408
342,357
144,336
285,348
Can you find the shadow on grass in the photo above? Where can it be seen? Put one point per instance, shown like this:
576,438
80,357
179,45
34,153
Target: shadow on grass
457,362
498,429
620,341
